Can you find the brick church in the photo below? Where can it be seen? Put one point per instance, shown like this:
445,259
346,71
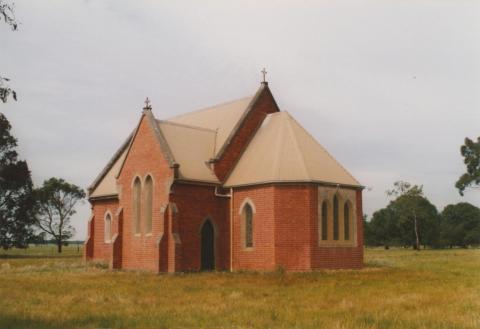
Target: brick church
236,186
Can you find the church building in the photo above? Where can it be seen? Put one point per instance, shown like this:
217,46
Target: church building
236,186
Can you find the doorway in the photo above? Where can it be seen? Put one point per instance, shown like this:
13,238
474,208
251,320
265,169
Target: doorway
207,246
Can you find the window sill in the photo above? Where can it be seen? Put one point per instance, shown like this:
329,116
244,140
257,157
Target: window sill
331,244
248,249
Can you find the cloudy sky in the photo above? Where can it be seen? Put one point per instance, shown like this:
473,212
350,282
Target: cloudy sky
390,88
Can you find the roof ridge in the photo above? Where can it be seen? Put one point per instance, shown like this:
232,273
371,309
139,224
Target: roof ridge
294,137
185,125
323,148
278,150
276,113
210,107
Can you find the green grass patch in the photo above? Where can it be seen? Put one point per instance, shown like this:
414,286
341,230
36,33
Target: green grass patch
396,289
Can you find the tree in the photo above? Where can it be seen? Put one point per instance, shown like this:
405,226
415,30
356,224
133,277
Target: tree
471,153
383,229
7,14
55,205
418,221
417,217
461,225
15,192
409,219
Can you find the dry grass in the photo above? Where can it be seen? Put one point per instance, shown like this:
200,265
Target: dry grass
397,289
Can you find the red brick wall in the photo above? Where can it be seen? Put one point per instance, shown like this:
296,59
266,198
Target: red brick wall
264,105
262,255
286,231
295,206
145,157
340,257
102,250
195,203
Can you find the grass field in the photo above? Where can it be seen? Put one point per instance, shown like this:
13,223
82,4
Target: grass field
397,289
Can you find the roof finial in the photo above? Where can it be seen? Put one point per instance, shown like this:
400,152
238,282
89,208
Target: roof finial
147,104
264,72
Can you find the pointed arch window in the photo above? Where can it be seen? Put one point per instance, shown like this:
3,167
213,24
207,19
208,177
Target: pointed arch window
137,198
335,218
324,220
108,228
148,204
248,225
346,221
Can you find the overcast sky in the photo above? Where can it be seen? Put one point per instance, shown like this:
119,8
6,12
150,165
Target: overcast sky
390,88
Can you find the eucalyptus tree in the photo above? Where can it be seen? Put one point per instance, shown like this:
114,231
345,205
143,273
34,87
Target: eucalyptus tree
55,205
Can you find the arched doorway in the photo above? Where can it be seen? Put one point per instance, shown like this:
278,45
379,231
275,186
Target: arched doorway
207,247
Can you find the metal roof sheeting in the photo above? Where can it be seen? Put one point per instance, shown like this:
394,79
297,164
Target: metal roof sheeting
191,147
283,151
221,118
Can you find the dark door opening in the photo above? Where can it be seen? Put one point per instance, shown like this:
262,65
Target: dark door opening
208,247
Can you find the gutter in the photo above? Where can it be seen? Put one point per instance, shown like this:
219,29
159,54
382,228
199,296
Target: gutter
222,195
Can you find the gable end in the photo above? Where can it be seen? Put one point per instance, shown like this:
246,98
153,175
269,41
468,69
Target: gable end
166,152
249,109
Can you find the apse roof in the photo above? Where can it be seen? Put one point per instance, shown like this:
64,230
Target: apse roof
283,151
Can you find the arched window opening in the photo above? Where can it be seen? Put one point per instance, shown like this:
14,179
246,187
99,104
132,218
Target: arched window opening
148,204
324,220
346,221
248,218
108,228
335,218
137,195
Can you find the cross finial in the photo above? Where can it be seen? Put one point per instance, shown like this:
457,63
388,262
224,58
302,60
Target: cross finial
264,72
147,104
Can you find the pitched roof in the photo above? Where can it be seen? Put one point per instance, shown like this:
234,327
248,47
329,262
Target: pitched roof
221,118
107,185
191,147
283,151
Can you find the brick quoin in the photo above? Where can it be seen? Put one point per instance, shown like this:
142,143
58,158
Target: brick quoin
285,219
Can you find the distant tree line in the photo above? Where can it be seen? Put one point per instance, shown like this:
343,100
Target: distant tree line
411,220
